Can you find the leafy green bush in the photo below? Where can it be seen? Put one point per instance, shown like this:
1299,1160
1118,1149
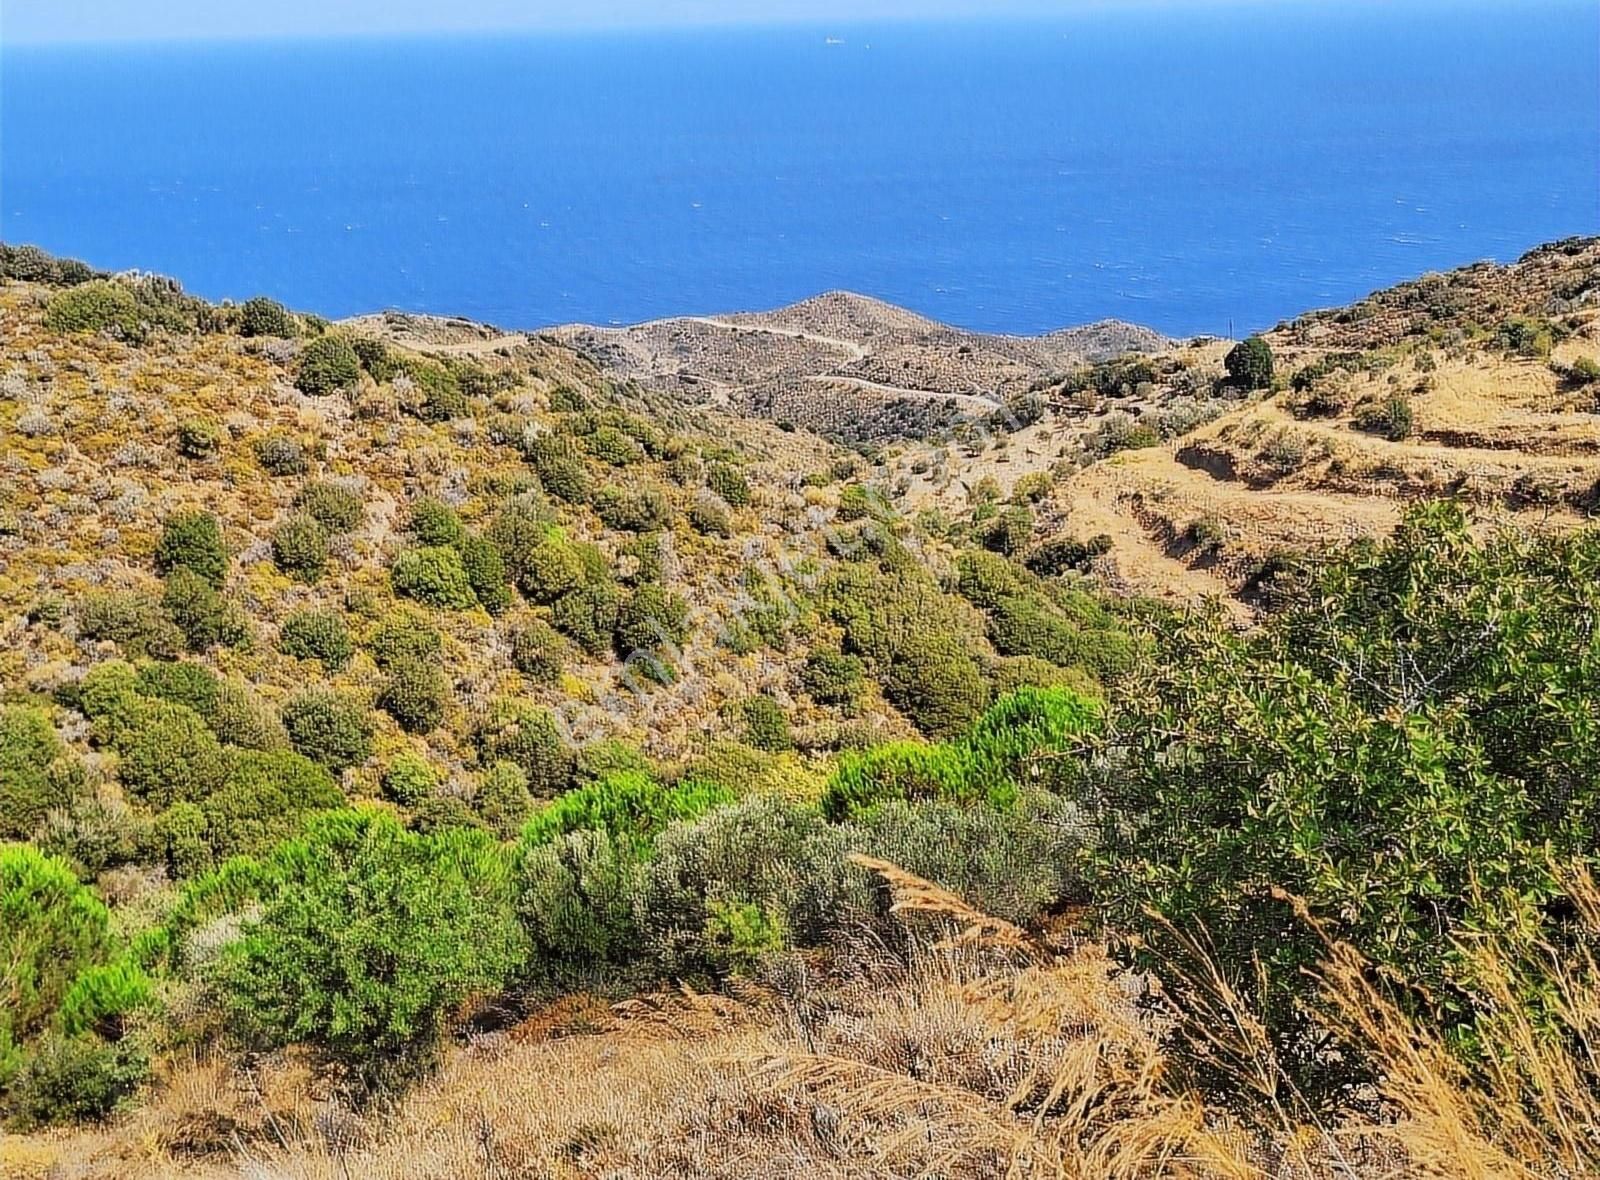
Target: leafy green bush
328,365
366,937
628,805
574,899
1525,337
764,866
589,615
261,316
652,624
709,515
502,799
329,727
193,541
1054,558
183,683
337,507
1249,363
266,798
241,719
404,635
832,678
486,573
203,615
415,694
73,1079
102,305
300,547
517,732
134,621
1010,531
436,523
1014,744
199,438
730,483
633,509
547,569
764,723
54,928
36,773
281,454
610,445
1012,864
559,467
408,780
171,755
537,650
317,634
1392,418
434,577
1395,747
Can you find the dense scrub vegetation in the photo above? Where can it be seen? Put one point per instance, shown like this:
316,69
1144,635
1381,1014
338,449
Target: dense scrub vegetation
545,688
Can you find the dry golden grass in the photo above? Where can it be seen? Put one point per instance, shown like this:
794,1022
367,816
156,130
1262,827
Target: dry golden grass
984,1057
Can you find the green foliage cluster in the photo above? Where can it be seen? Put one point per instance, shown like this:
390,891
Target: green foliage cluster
327,365
1249,364
1396,747
261,316
329,727
317,633
100,305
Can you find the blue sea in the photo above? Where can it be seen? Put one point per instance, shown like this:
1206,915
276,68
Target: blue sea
1186,166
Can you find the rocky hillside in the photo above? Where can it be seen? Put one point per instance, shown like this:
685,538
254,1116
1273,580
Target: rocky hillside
847,366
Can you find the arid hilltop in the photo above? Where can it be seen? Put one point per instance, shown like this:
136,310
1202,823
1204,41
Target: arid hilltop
847,366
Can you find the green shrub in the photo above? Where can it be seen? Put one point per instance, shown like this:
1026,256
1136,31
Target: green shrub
265,800
300,547
241,719
610,445
764,724
832,678
329,727
730,483
281,454
204,617
1249,363
628,805
1011,746
132,620
502,799
589,615
486,573
652,625
709,515
193,541
764,866
560,469
199,438
181,838
103,996
574,899
548,569
537,650
53,929
184,683
367,937
337,507
514,731
1054,558
36,773
434,577
436,389
937,682
635,509
441,813
317,634
261,316
102,305
328,365
1416,808
436,523
404,635
415,694
1009,532
1392,418
408,780
171,755
1525,337
70,1079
